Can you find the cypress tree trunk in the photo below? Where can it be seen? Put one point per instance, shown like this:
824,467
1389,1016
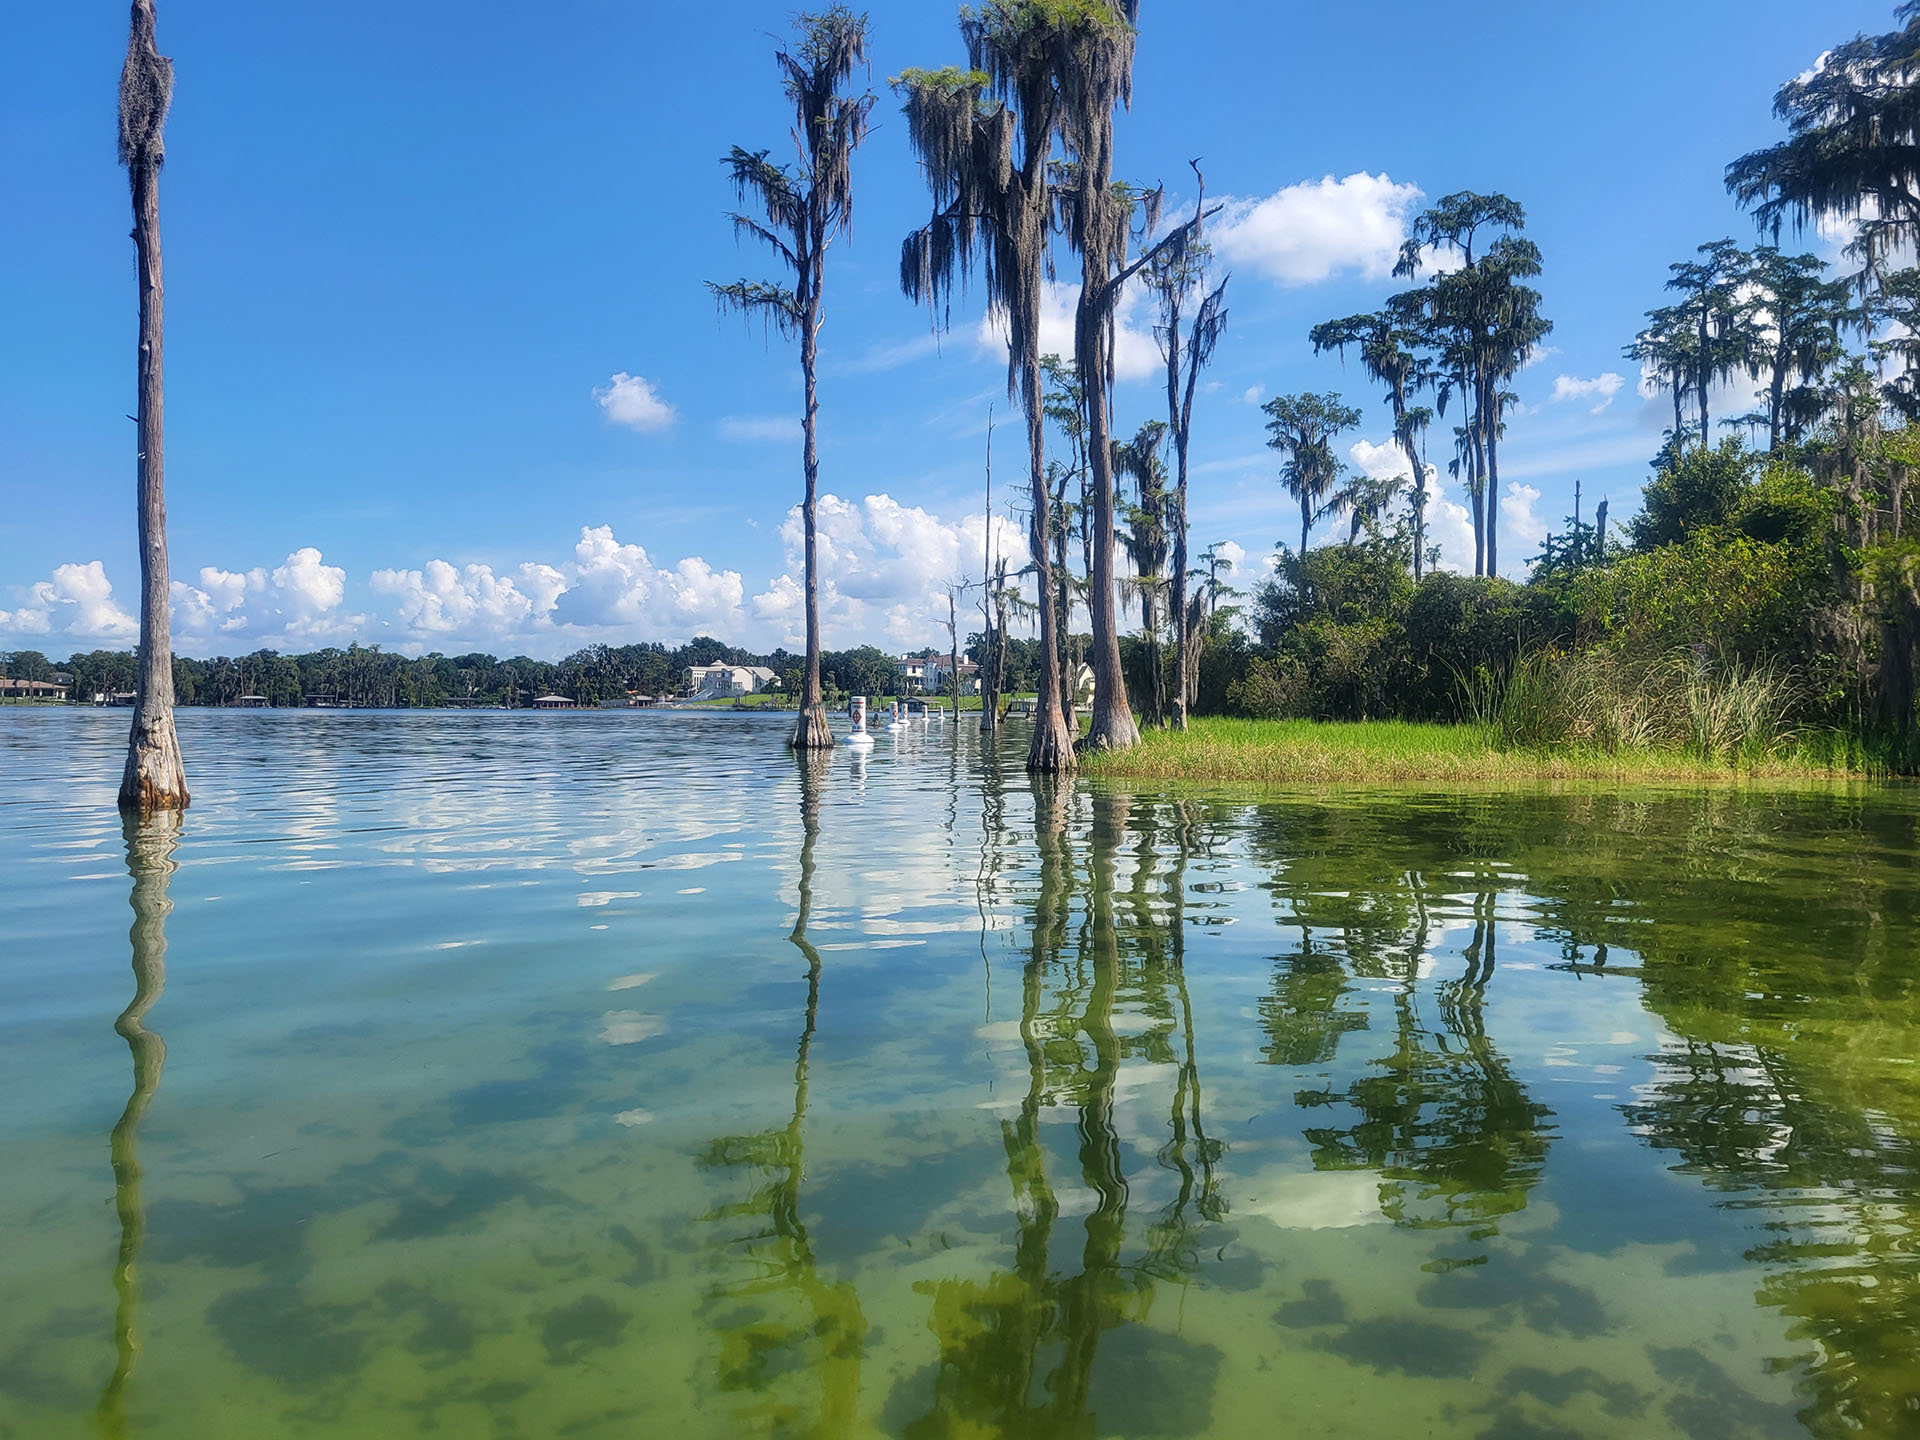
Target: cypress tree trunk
1063,617
810,731
1052,748
1419,491
1178,606
1776,396
1493,488
154,778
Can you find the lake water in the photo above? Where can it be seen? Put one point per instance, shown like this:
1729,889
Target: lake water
513,1075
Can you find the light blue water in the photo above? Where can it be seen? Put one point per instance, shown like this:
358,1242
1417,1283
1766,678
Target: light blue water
616,1074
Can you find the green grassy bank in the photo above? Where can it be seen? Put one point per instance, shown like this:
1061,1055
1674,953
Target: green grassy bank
1282,751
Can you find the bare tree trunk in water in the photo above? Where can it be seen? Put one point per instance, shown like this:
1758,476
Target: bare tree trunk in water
953,656
811,731
1113,726
155,778
1052,748
999,636
990,673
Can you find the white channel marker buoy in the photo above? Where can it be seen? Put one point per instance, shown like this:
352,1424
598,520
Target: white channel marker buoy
857,736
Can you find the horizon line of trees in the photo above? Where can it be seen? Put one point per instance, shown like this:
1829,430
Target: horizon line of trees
369,677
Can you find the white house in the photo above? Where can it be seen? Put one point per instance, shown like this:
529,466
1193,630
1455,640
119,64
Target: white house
720,682
929,676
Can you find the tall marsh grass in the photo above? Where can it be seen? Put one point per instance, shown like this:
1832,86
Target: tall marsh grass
1724,712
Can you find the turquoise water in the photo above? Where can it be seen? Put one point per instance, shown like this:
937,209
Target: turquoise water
509,1075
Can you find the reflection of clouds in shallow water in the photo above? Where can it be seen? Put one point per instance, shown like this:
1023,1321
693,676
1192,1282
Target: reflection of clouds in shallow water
633,1119
594,899
630,1027
631,982
1311,1200
694,859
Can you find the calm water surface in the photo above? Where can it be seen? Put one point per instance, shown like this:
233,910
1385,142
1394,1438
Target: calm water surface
506,1075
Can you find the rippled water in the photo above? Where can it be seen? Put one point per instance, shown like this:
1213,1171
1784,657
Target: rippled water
503,1075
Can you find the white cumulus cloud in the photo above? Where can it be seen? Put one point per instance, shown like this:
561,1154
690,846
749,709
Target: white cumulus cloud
632,401
1306,233
1517,518
441,600
1601,389
77,602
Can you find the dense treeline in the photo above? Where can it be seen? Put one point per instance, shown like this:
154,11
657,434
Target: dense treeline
365,676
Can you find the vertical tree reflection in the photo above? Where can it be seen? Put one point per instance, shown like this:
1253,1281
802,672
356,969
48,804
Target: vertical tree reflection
1440,1116
1018,1350
786,1319
1172,1243
151,842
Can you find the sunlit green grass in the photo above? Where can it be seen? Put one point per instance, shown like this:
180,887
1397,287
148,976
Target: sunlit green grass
1309,750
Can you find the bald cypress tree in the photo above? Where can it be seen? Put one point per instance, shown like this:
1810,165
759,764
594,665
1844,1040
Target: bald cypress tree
806,208
154,778
985,137
1097,78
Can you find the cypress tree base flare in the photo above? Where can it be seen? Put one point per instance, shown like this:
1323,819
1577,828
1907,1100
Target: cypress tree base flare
811,731
154,779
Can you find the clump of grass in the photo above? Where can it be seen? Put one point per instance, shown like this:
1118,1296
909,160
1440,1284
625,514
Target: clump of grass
1720,712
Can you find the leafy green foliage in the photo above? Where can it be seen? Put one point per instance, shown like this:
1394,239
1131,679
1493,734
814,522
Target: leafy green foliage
1694,488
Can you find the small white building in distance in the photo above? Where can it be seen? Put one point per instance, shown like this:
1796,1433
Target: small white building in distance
721,682
928,675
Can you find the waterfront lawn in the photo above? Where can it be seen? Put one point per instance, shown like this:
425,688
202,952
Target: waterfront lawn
1280,751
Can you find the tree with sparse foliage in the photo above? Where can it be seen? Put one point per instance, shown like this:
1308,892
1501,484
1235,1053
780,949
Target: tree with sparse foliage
1303,429
1175,276
155,778
1389,345
805,207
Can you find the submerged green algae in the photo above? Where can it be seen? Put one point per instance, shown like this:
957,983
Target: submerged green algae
610,1075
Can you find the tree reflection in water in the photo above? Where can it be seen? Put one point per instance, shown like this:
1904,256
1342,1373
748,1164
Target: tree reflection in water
151,842
784,1318
1018,1350
1440,1117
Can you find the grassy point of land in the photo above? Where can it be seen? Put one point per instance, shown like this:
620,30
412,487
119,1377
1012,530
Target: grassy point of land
1310,751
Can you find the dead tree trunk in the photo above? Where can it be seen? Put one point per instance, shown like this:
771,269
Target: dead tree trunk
155,778
953,657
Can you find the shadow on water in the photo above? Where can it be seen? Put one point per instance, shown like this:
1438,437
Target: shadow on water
150,861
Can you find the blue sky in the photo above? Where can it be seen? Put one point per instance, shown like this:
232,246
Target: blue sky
411,249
